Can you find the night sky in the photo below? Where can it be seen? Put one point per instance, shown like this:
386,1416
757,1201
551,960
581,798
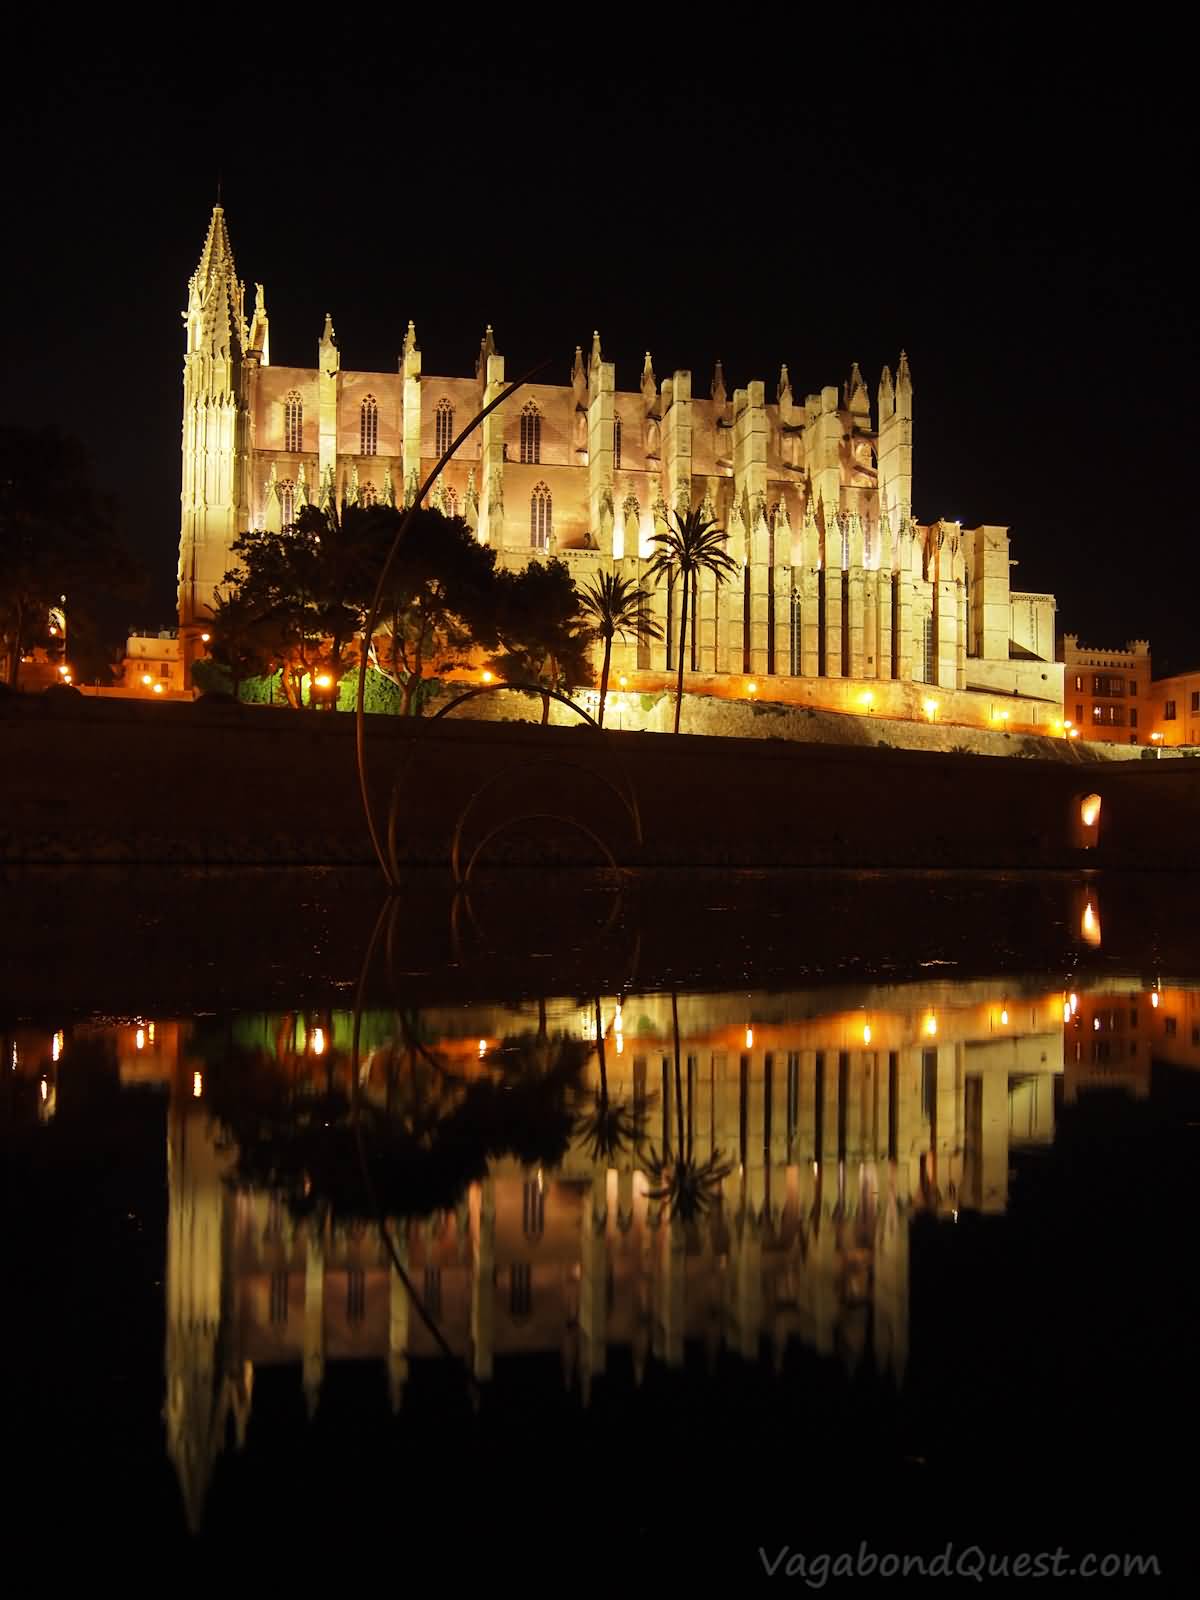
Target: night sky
1012,206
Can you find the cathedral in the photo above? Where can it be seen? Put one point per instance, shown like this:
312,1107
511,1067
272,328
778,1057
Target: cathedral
846,599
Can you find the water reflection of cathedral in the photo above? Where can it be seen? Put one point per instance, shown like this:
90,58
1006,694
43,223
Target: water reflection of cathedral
841,1117
836,1128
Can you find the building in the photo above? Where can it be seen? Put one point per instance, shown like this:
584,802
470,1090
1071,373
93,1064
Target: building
1175,709
841,584
153,664
1107,693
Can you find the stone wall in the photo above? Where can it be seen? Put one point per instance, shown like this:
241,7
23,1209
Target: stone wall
111,780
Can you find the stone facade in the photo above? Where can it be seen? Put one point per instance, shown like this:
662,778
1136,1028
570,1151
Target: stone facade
839,579
1106,693
1174,711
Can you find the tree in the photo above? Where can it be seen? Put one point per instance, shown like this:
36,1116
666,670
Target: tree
694,545
246,644
541,629
614,605
57,540
439,602
306,589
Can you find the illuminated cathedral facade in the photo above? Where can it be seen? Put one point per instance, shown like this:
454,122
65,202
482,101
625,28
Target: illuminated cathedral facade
844,596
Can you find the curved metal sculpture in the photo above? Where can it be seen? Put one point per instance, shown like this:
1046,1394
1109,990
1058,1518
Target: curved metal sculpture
360,752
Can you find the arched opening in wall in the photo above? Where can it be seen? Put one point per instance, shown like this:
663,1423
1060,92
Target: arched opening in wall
541,517
285,489
1087,820
533,1208
293,423
616,444
746,615
531,435
927,648
845,619
368,426
643,643
443,427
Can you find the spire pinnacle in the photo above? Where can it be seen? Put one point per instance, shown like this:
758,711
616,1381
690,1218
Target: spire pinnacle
719,395
783,394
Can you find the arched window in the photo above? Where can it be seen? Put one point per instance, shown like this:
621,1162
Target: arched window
541,518
293,423
616,444
531,434
443,421
286,490
368,427
367,495
450,502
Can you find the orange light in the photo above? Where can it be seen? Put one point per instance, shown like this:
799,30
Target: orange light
1004,1019
931,1024
930,708
146,679
1090,925
482,1048
1066,1011
205,637
150,1032
1154,1000
749,1038
64,672
1074,733
866,1033
322,680
751,688
197,1085
56,1045
868,700
139,1039
318,1041
622,680
486,677
158,688
1089,811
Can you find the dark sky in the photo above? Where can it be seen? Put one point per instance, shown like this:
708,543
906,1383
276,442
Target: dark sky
1011,206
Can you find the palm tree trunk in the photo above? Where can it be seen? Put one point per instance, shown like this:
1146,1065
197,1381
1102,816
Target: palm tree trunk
604,675
683,622
545,709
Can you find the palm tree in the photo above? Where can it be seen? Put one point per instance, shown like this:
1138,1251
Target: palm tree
614,606
693,545
688,1186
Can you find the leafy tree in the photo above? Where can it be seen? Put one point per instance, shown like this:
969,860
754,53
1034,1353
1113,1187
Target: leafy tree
439,602
57,538
246,644
305,591
694,545
614,605
541,628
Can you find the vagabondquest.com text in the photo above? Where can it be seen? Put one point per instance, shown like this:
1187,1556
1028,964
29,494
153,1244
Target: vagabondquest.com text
817,1568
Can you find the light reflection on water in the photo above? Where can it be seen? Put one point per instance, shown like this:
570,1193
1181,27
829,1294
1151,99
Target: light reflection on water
621,1181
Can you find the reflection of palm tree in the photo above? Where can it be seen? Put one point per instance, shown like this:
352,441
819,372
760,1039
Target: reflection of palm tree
688,1186
608,1128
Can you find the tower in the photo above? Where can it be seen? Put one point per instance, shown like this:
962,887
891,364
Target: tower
217,376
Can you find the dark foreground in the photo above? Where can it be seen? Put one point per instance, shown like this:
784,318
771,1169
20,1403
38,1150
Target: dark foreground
939,1292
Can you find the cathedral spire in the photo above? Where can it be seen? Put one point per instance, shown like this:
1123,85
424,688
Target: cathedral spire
328,358
487,347
215,314
857,400
887,396
596,356
649,382
410,338
904,387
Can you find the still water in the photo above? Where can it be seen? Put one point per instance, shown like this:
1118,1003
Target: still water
651,1276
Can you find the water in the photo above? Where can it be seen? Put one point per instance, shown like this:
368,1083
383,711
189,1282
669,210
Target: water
601,1230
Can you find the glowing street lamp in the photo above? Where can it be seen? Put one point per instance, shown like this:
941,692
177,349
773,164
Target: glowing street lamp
868,700
930,708
751,688
486,677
